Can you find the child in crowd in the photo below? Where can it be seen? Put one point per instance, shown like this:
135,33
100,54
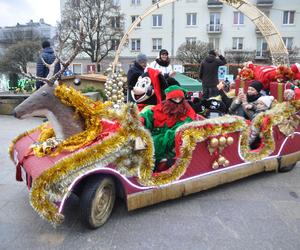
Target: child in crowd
262,104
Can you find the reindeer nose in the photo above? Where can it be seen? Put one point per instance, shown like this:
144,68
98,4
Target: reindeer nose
14,113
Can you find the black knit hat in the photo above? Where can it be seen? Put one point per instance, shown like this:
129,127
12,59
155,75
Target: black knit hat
163,51
256,85
45,44
212,52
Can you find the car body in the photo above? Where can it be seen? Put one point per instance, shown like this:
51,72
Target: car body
209,153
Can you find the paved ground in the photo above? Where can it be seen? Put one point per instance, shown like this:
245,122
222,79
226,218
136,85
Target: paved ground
260,212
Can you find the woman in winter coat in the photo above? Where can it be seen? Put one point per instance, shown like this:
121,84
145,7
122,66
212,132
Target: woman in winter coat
163,64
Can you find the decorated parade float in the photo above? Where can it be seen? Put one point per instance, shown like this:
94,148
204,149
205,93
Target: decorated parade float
101,150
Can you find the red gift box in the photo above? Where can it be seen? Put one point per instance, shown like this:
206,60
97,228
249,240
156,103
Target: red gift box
277,89
242,84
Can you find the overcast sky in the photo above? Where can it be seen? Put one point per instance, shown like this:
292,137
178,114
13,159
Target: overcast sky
22,11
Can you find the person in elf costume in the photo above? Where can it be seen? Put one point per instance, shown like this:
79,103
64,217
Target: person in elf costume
164,118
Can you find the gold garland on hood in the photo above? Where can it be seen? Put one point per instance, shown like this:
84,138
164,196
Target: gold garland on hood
89,110
52,185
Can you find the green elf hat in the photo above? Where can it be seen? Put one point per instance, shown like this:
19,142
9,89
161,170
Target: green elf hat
175,91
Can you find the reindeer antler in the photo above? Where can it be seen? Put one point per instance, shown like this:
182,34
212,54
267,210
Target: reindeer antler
51,77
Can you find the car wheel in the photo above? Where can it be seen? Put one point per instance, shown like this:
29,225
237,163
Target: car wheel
97,201
286,168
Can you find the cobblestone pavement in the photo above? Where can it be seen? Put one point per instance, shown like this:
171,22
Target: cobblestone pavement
259,212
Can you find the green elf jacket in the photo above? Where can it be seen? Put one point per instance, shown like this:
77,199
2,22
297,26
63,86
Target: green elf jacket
163,129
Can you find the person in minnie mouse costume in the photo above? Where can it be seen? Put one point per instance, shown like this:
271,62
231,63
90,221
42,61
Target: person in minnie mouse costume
163,120
149,89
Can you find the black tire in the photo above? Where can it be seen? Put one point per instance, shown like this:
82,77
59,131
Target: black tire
287,168
97,201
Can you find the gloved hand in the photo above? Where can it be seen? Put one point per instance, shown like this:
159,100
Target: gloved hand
149,90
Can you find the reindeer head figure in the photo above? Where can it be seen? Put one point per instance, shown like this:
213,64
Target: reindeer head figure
43,102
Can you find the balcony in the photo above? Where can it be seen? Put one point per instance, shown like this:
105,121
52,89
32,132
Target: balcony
214,4
257,31
264,3
214,28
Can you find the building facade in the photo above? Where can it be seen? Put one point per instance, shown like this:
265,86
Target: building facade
209,21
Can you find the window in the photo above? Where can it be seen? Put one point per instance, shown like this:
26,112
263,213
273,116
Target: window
75,3
190,40
135,2
238,18
261,48
214,21
191,19
288,17
156,20
115,22
156,43
214,42
77,69
133,18
237,43
114,44
288,41
135,44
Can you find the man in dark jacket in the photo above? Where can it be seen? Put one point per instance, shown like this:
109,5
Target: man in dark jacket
134,72
209,73
48,56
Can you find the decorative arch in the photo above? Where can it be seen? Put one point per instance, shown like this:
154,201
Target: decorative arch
276,45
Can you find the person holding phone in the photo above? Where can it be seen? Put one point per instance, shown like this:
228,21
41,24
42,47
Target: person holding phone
241,104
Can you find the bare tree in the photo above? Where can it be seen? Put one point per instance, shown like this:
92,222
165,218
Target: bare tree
103,14
294,54
239,56
18,55
192,52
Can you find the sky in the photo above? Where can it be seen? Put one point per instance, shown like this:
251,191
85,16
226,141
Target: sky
22,11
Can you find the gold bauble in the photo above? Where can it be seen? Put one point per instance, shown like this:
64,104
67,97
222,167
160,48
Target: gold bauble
120,84
221,160
215,165
214,142
114,91
115,86
226,164
229,140
114,98
222,141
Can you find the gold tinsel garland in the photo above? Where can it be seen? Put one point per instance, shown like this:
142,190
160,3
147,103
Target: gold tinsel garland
277,116
89,110
26,133
62,173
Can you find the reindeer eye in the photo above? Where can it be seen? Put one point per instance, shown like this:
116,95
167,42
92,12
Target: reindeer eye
44,93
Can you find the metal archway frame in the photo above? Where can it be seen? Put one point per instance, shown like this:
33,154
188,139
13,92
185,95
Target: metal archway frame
276,45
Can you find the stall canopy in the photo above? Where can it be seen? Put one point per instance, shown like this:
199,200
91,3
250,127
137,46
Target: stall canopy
188,83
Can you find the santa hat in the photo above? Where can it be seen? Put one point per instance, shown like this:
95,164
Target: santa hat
175,91
295,68
267,100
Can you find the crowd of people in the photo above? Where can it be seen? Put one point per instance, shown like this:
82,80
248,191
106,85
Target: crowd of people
176,108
